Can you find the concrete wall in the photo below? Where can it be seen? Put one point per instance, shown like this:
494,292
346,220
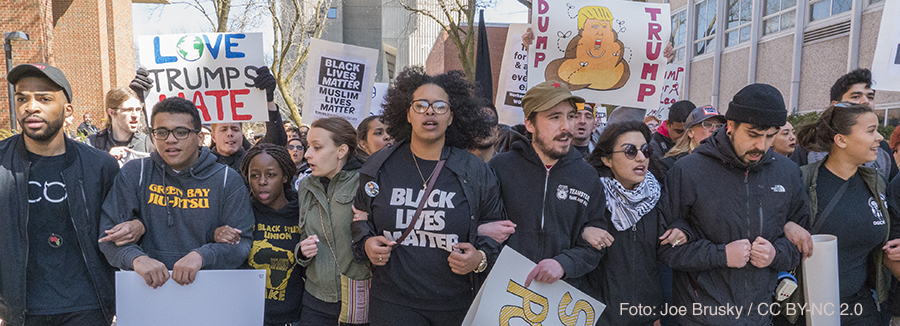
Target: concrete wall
362,27
701,81
735,67
774,65
823,63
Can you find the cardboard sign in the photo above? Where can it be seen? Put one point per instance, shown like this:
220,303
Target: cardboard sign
513,80
886,63
607,52
216,298
215,71
378,93
339,78
504,299
671,92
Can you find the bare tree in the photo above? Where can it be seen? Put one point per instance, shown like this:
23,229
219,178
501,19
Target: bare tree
295,22
228,15
457,19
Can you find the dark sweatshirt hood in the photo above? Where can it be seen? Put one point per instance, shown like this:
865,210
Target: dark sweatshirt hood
527,151
289,211
719,147
204,167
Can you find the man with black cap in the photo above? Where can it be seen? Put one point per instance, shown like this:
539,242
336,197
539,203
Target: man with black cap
731,265
51,191
672,129
548,192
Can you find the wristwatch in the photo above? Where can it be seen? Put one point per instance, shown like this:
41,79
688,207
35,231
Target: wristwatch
483,265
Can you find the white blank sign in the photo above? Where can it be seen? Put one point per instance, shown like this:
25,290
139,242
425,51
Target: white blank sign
217,297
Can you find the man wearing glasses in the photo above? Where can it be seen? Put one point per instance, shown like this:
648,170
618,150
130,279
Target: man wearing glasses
122,137
548,192
739,246
181,195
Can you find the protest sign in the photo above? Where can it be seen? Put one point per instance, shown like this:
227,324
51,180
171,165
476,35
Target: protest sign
216,298
886,63
513,80
339,79
504,299
671,92
215,71
378,93
610,53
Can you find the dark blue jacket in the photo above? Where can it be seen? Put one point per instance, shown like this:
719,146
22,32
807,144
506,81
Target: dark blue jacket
88,176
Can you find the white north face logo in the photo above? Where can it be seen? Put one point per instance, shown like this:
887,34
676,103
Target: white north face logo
778,188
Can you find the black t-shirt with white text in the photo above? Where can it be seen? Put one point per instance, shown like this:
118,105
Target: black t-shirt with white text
57,279
417,274
856,221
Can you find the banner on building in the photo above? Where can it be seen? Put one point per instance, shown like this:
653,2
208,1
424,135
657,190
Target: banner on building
886,64
379,91
217,297
671,92
504,300
214,70
513,81
339,81
608,52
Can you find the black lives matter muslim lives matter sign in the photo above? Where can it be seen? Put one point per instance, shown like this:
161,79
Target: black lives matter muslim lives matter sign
339,81
608,52
215,71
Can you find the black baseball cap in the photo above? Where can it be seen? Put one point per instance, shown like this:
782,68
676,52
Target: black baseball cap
42,69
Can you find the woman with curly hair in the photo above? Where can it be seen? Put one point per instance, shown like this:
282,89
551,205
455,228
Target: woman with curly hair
426,257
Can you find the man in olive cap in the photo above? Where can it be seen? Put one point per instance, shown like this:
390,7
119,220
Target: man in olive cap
548,194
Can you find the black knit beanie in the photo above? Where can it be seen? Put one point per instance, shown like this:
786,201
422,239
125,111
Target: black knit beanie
760,105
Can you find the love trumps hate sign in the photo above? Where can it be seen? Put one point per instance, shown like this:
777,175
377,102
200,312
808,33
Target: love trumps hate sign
215,71
504,300
610,53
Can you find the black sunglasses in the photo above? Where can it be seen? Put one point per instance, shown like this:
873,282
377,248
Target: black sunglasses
631,151
293,147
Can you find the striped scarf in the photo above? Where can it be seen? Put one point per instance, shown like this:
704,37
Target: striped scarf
628,206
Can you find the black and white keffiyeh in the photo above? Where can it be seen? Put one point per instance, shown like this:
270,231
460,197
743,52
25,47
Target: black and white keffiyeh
628,206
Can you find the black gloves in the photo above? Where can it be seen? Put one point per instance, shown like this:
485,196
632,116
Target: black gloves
265,81
141,83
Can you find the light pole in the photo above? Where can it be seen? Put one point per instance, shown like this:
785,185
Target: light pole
7,46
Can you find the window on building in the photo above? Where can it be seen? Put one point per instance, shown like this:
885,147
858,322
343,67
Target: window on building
875,1
706,27
827,8
740,13
332,12
778,15
679,33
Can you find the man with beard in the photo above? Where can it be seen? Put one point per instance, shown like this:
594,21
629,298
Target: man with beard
87,127
739,246
229,137
585,124
122,137
547,191
51,191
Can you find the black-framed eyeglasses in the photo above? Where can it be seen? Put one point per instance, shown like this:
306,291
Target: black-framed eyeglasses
295,147
180,133
421,106
631,151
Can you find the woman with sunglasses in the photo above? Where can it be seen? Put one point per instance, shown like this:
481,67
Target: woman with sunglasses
297,148
428,277
698,126
628,272
847,200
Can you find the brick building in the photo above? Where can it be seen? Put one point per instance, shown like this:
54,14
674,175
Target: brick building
89,40
444,54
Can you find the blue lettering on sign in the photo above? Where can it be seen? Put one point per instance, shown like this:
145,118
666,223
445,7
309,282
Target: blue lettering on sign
228,44
213,50
159,57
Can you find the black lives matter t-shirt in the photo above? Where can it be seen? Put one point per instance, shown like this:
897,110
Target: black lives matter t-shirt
417,275
57,279
856,221
275,234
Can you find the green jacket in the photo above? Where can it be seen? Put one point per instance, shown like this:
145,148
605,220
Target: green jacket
328,216
876,186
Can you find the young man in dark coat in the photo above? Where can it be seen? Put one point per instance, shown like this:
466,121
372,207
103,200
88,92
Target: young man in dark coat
670,130
548,191
731,265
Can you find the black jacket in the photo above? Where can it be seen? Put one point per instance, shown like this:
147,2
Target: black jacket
725,200
140,143
628,272
660,144
551,208
479,187
88,177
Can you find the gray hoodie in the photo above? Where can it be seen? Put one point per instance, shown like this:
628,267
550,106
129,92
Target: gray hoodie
180,211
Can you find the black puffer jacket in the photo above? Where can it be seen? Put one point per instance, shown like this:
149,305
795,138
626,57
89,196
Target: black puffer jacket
551,207
725,200
88,176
